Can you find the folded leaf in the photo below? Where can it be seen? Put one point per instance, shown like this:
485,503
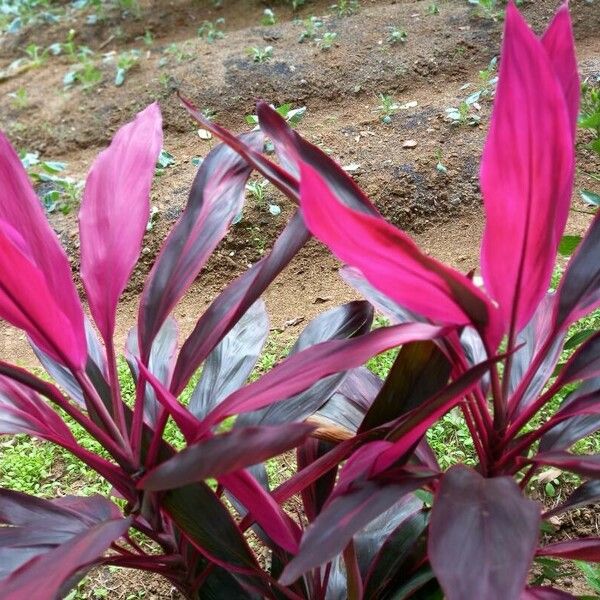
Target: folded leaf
482,536
22,211
526,175
114,213
391,261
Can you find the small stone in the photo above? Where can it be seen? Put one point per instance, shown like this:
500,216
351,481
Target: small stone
410,144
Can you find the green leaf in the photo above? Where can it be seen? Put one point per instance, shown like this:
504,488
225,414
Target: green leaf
590,198
568,244
578,338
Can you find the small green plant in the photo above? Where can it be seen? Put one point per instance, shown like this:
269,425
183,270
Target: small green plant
591,573
462,115
345,8
268,17
131,7
125,62
590,111
396,35
19,98
293,116
165,160
327,40
86,74
147,38
212,30
387,108
433,9
36,55
311,24
260,55
486,8
179,52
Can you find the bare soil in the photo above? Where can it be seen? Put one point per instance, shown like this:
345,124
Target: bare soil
339,87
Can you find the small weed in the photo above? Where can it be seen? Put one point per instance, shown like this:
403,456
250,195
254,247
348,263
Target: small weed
87,75
212,30
486,8
268,17
293,116
36,56
180,53
19,98
396,35
310,29
261,55
327,40
387,108
345,8
256,189
125,62
462,115
590,111
433,9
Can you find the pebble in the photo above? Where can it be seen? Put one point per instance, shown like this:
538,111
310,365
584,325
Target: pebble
410,144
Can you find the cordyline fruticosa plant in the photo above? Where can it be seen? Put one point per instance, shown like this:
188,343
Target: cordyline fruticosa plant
389,524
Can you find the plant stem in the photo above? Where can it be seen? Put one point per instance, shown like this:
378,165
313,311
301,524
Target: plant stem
355,585
115,387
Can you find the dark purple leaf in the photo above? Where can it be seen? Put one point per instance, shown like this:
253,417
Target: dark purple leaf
228,366
298,372
342,322
579,290
234,301
587,549
584,364
295,149
347,407
216,198
569,430
43,576
529,342
342,517
587,465
223,454
482,536
585,494
420,371
393,559
277,175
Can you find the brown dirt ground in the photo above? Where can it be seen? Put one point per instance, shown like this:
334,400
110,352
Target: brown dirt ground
339,87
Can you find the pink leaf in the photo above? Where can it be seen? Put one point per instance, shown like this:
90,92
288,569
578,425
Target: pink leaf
26,229
526,175
391,261
114,213
27,302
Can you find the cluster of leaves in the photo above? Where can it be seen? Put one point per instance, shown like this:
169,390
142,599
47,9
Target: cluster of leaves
380,516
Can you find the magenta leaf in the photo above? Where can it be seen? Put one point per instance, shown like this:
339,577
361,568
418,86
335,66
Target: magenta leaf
559,43
234,301
28,302
22,211
114,214
263,509
482,536
277,175
224,453
391,261
587,549
216,198
526,188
